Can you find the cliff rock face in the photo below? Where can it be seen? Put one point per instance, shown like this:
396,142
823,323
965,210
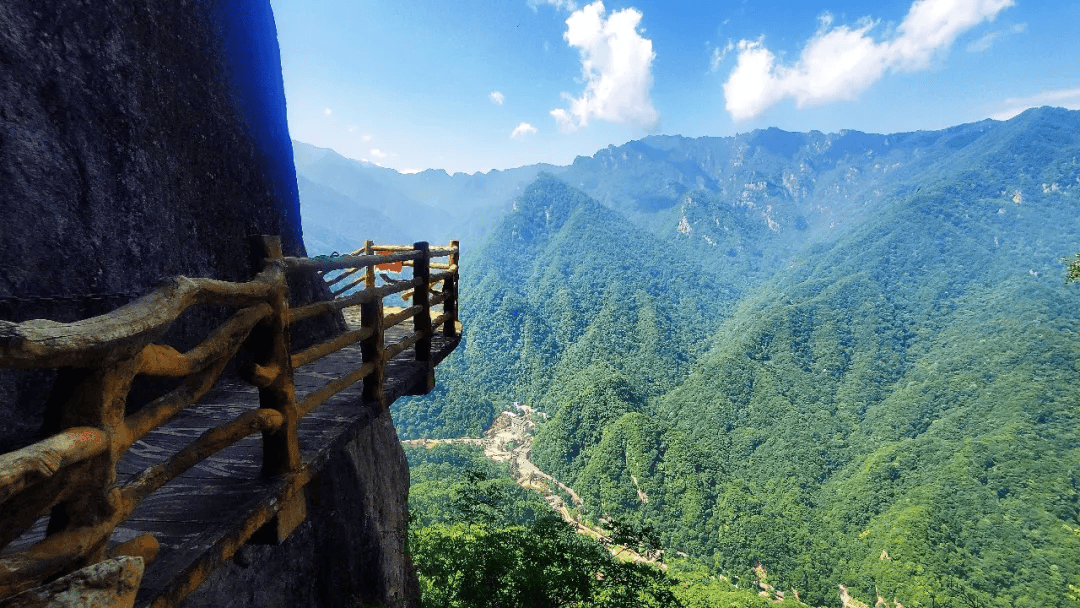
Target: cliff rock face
350,548
146,139
138,141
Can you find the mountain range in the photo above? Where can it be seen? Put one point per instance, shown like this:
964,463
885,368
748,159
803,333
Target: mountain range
849,358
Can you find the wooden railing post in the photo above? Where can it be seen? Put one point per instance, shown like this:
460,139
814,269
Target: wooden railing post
422,320
281,450
450,288
369,248
371,350
91,398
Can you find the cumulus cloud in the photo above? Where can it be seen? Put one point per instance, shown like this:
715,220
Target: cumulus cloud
327,112
1065,98
522,130
841,62
377,153
496,98
616,64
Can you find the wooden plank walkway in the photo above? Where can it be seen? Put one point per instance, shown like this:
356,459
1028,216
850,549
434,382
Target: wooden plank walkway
193,515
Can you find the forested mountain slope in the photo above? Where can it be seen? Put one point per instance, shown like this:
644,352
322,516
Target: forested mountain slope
849,357
566,288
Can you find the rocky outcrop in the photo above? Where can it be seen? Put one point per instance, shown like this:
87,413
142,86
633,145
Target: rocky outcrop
110,584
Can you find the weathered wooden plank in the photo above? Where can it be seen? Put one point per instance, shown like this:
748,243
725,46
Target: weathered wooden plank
173,503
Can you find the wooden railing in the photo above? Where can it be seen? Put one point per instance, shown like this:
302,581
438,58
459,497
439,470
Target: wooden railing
72,475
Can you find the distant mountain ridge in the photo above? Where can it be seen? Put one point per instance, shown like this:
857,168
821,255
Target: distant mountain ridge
813,180
390,207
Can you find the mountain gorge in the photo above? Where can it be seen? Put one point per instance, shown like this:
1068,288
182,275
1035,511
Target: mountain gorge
849,358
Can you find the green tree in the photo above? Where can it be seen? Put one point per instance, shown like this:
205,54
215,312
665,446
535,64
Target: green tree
543,564
1073,273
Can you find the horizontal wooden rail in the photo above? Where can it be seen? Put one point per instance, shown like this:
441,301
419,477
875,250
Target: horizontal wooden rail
330,346
160,360
346,261
404,314
437,266
435,252
392,248
44,459
320,395
441,276
77,466
209,443
40,343
370,295
399,347
342,276
441,320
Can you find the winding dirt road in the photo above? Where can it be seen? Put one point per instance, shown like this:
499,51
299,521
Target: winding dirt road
509,440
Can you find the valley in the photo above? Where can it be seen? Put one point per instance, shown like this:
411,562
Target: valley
508,442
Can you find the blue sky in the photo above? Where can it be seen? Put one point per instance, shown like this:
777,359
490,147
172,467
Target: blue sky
470,85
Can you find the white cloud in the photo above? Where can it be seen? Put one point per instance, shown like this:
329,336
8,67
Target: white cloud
496,98
616,63
1065,98
841,62
719,54
522,130
984,42
377,153
327,112
566,5
355,129
987,40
